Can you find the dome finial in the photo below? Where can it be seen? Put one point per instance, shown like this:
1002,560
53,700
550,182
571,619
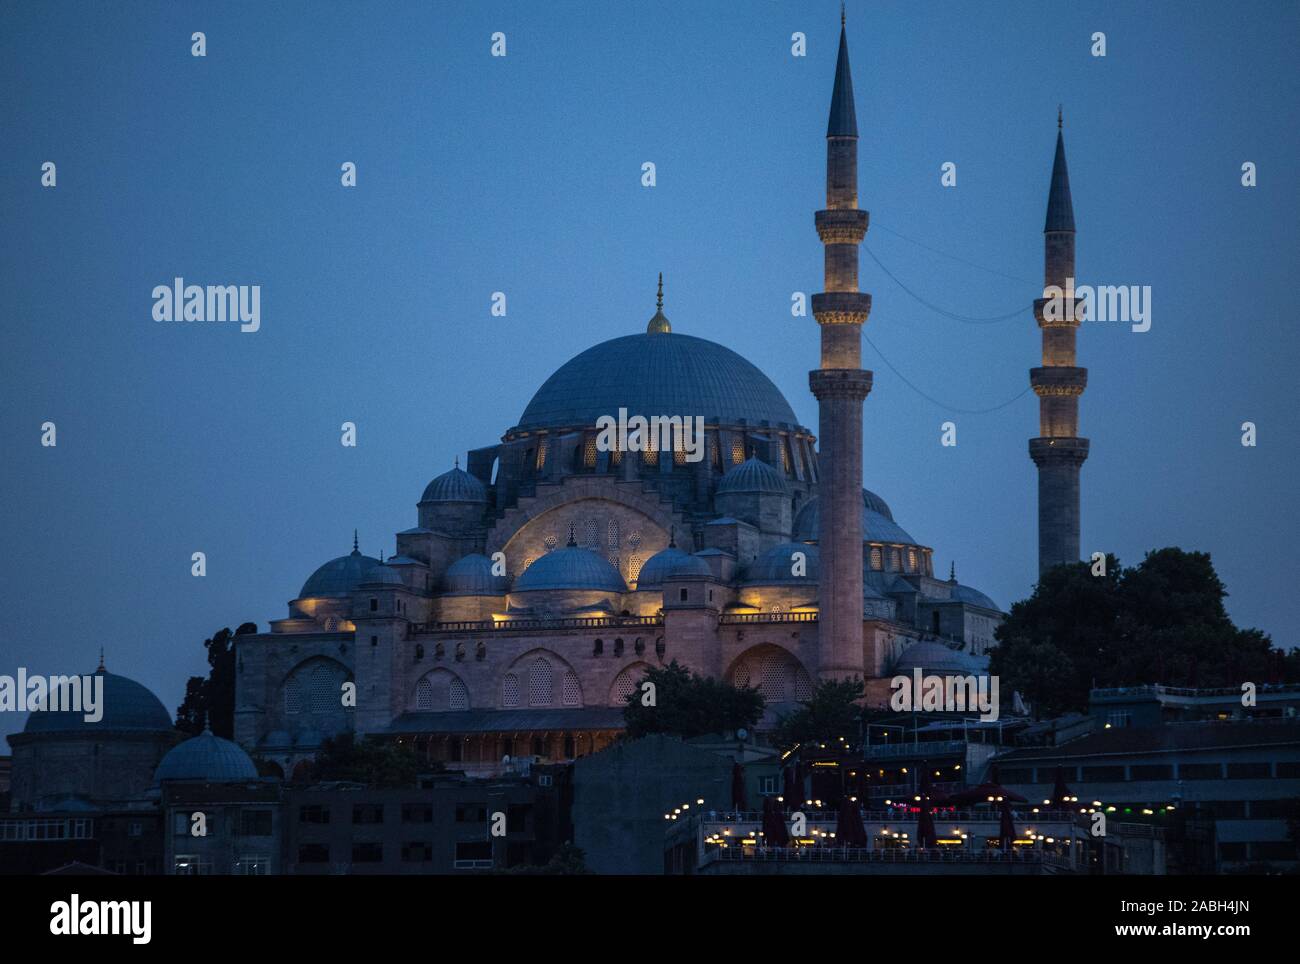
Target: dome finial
672,537
1059,120
572,543
659,324
101,660
457,461
952,571
355,550
842,21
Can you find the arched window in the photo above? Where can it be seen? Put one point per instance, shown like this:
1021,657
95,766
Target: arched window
458,698
292,695
877,558
589,451
618,646
634,567
424,695
611,533
737,449
598,648
541,685
510,690
592,528
324,694
570,691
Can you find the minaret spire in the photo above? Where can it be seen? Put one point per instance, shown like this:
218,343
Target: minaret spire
659,324
1058,451
355,550
841,385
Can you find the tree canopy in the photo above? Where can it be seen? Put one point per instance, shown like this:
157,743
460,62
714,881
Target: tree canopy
832,712
687,704
1161,621
213,698
372,762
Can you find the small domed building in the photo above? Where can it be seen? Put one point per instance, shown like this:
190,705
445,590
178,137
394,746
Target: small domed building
61,758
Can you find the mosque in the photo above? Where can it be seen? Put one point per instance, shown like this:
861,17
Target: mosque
542,580
546,576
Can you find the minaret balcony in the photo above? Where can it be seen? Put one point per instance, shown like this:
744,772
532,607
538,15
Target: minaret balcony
1058,380
1058,451
1066,312
851,383
841,307
842,226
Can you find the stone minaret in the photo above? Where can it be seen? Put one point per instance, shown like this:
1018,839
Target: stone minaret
840,386
1059,453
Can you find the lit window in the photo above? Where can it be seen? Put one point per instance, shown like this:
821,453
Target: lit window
650,456
589,452
541,456
633,567
877,558
737,450
911,560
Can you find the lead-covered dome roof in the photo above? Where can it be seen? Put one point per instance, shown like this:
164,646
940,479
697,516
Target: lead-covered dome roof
777,566
340,576
878,523
206,757
472,576
752,475
570,568
656,373
667,563
935,659
126,706
455,485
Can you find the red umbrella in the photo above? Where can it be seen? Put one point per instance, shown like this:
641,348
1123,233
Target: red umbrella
1007,830
849,830
774,831
738,801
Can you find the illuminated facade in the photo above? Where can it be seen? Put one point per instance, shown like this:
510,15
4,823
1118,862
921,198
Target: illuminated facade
546,576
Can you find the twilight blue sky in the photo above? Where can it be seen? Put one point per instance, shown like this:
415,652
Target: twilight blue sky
522,175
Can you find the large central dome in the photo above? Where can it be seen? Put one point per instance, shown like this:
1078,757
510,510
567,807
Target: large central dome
657,373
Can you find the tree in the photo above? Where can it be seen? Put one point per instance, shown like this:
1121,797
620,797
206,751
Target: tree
831,713
373,762
1162,621
212,700
686,704
567,860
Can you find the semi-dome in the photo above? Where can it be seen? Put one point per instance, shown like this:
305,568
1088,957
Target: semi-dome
776,566
934,659
877,526
206,757
125,704
570,568
656,373
472,576
455,485
752,475
340,576
974,597
668,563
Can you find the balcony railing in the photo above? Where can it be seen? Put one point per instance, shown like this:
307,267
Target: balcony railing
513,625
934,748
729,619
822,854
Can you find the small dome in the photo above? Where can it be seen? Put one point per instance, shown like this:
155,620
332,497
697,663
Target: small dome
472,576
974,597
877,525
382,575
126,705
340,576
455,485
776,566
206,757
570,568
934,659
752,475
667,563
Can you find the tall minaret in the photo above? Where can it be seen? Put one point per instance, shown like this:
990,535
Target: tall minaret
1059,453
840,385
